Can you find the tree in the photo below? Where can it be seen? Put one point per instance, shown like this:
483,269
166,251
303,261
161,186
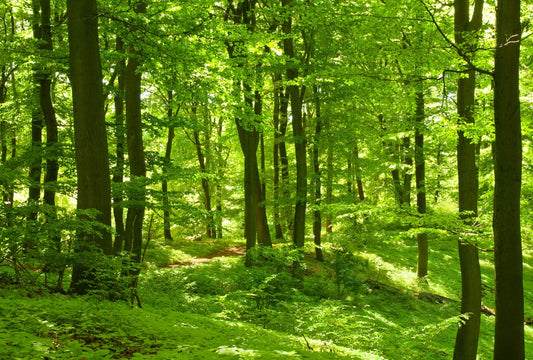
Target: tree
134,137
92,159
296,94
420,178
509,328
247,121
465,36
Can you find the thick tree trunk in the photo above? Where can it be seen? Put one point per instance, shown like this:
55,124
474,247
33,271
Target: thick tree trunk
92,160
509,330
420,179
120,133
466,341
299,138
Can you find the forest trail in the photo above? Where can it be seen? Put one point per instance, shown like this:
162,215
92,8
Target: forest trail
230,251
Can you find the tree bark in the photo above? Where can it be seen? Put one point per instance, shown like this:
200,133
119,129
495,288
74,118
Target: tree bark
164,183
205,186
420,179
52,151
276,162
120,133
358,177
317,216
466,341
37,124
509,329
329,182
92,159
286,209
134,136
299,137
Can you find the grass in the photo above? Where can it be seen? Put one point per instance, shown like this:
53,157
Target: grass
361,303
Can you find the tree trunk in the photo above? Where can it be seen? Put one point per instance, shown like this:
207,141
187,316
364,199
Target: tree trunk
466,341
37,124
358,177
92,160
407,176
299,138
118,173
221,164
134,136
52,153
205,185
420,179
286,209
317,216
255,213
329,183
509,329
276,162
263,231
164,182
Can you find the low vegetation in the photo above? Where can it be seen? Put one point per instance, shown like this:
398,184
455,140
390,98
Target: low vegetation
363,302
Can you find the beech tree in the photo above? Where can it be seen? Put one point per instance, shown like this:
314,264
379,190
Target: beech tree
466,30
92,159
509,328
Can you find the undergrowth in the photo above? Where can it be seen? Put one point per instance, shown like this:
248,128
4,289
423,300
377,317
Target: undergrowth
363,302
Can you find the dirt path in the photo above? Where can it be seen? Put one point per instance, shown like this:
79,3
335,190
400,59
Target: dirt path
231,251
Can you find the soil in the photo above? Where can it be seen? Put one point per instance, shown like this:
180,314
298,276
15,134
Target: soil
231,251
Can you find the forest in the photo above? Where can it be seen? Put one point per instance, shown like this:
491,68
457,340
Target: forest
270,179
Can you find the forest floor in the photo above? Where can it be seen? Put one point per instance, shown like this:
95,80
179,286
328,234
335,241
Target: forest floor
229,251
200,302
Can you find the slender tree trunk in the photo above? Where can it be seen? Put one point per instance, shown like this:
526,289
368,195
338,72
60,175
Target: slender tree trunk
466,341
276,162
221,164
286,209
37,124
52,151
164,182
3,135
263,231
205,185
134,136
317,216
329,183
92,160
358,178
349,177
120,133
407,176
420,179
509,330
439,164
299,138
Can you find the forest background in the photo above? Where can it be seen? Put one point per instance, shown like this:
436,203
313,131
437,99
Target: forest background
322,136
